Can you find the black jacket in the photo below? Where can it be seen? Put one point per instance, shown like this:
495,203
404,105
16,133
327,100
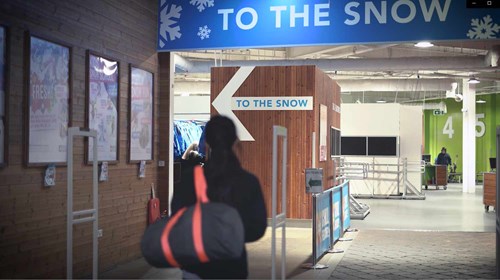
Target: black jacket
443,159
246,197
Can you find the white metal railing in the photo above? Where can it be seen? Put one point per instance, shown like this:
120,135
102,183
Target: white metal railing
73,217
371,171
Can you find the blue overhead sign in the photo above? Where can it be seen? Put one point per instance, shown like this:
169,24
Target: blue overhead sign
220,24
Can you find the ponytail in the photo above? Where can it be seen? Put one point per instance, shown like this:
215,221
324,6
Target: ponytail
222,161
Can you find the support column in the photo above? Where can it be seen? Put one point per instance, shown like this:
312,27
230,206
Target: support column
165,129
469,137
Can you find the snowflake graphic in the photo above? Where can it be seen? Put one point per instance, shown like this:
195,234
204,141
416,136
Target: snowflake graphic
483,29
204,32
169,19
202,4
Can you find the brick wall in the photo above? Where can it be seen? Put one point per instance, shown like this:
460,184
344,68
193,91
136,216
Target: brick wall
33,218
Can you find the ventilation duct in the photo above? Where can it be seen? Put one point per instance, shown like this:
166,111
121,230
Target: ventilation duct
365,64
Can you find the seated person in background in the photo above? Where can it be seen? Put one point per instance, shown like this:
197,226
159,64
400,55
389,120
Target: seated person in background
191,151
443,158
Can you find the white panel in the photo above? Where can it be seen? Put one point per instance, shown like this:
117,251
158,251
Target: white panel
385,120
192,105
195,117
411,139
411,132
370,119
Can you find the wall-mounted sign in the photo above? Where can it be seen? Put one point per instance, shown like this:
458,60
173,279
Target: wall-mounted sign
314,180
438,112
243,24
295,103
141,115
2,92
323,131
102,105
48,101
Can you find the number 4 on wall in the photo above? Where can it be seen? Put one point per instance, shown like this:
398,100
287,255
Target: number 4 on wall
448,126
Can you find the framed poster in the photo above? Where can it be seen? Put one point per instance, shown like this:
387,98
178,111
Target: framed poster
3,86
103,106
323,131
141,115
47,101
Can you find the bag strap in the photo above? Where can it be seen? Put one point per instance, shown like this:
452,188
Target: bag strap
201,197
198,234
200,185
165,243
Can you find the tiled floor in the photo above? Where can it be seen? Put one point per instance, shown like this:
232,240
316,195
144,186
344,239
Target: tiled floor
446,236
388,254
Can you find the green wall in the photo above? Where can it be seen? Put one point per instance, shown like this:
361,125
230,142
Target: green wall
438,130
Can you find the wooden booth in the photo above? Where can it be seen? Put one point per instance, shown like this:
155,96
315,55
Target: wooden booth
489,190
262,97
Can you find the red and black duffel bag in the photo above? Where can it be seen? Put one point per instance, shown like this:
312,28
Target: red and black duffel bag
207,231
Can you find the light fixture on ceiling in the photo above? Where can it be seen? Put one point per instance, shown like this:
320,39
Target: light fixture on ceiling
473,80
480,101
358,101
424,44
381,101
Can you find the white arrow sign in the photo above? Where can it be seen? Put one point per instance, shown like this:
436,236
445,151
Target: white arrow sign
225,103
222,103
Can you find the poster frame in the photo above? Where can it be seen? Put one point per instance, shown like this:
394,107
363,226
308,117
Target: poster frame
27,77
129,142
87,107
323,133
5,54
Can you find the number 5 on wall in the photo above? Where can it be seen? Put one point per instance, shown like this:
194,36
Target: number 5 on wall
482,127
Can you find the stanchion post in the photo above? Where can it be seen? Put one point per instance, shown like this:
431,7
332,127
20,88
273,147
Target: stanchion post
497,204
314,254
278,220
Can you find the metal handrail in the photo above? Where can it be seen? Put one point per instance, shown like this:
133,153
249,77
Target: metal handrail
359,170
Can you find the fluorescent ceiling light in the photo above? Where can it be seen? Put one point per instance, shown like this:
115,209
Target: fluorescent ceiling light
381,101
481,101
473,80
424,44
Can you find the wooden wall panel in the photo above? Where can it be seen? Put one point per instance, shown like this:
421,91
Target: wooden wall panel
328,94
33,218
257,156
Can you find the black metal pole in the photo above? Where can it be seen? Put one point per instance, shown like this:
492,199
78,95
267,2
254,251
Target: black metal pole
314,256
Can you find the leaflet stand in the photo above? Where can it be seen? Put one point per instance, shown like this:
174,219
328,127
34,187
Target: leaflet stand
72,132
279,220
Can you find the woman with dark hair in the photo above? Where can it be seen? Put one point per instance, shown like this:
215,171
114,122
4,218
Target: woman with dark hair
229,183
